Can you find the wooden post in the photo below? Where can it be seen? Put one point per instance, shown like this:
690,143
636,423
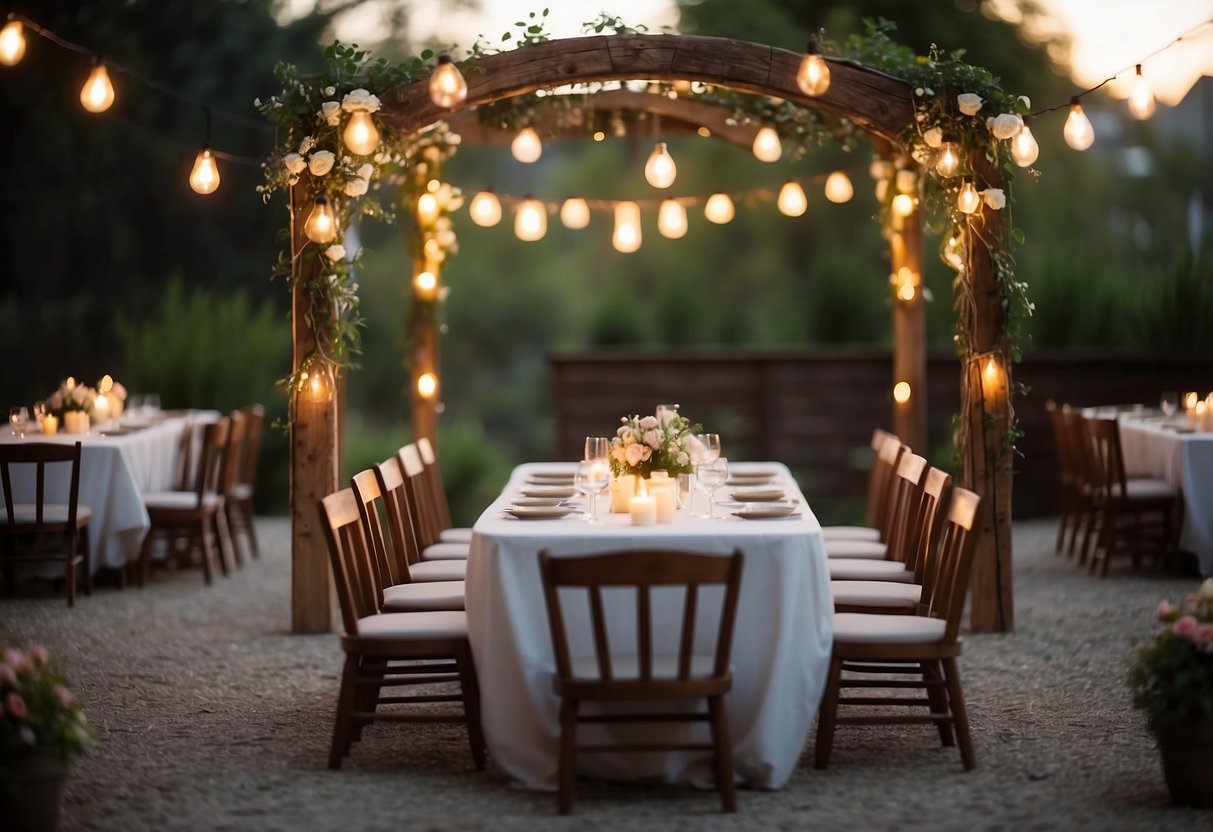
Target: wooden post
909,331
314,454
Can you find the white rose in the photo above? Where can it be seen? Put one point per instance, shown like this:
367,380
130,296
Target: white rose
335,252
933,137
321,162
356,187
1024,102
307,144
652,438
367,170
294,163
1006,126
360,99
969,103
330,90
330,111
907,181
994,198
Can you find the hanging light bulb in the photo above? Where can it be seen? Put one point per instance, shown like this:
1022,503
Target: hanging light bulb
1141,98
719,208
97,94
660,169
321,226
813,78
1024,148
485,209
901,392
426,284
447,86
792,201
360,134
839,188
527,147
427,385
968,200
1078,131
903,205
12,43
947,160
672,219
575,213
204,178
531,220
317,382
767,147
626,238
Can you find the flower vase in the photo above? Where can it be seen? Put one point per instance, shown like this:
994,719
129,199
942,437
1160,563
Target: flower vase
1186,748
32,792
623,488
75,421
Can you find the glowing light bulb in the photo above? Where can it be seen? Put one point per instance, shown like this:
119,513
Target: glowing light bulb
447,85
427,208
903,205
531,220
626,238
12,43
839,188
991,370
813,77
204,178
427,385
906,282
360,135
321,225
968,200
719,208
901,392
426,284
1141,98
97,94
527,147
575,213
672,219
485,209
767,147
318,383
106,384
1024,148
660,169
1078,131
792,201
947,160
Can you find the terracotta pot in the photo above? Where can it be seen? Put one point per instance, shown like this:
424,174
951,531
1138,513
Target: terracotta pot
33,793
1186,747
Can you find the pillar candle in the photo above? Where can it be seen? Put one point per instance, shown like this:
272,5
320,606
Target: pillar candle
667,503
50,425
622,489
643,510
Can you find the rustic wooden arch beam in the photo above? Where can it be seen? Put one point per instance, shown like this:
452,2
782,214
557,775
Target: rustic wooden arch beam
878,103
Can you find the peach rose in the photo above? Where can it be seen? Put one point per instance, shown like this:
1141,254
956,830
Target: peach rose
1185,627
1165,610
1203,634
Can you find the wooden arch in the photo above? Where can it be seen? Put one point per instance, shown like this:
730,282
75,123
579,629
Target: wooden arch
874,101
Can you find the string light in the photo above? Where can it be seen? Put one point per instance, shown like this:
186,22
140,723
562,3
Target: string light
903,205
447,85
813,77
901,392
968,200
672,219
792,201
575,213
426,284
839,188
626,238
427,385
719,208
947,162
427,209
97,94
905,280
317,382
526,147
485,209
1078,131
767,147
660,169
321,226
204,178
531,220
12,43
1141,98
360,135
1024,148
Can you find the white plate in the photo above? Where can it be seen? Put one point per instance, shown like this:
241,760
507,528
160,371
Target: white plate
547,491
538,512
533,480
746,481
758,495
551,474
756,472
770,512
536,501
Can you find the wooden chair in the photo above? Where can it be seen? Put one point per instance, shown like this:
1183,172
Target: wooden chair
397,591
1085,481
433,645
925,645
1134,515
238,502
401,522
1069,474
891,562
24,523
426,525
229,471
437,496
190,520
642,674
885,448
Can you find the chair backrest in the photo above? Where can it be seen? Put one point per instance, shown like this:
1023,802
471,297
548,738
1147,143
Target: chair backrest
1107,461
877,479
210,458
887,458
366,490
953,563
907,495
1078,440
349,557
229,461
433,475
425,525
250,455
928,527
40,455
641,571
1061,442
401,536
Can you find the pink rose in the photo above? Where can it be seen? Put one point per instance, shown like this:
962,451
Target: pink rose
1203,634
1185,627
648,423
1165,610
16,705
66,700
635,453
12,657
652,438
39,655
8,677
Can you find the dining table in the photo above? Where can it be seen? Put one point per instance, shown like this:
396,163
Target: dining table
1173,450
119,463
781,644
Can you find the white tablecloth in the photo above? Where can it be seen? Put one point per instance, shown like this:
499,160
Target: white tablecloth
1185,460
115,472
781,645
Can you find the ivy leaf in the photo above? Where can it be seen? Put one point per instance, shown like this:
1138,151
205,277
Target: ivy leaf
1017,235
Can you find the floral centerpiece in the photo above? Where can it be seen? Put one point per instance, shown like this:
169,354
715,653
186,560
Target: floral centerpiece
644,444
39,716
70,397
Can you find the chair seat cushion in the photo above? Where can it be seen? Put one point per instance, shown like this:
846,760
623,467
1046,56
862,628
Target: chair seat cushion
874,628
626,666
178,500
445,551
461,534
1144,488
861,569
425,595
414,625
829,533
866,549
882,594
438,570
51,513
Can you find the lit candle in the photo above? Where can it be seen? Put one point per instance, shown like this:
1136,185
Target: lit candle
101,408
1190,399
50,425
643,508
622,489
667,503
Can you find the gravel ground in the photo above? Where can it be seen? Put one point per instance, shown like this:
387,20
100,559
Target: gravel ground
212,716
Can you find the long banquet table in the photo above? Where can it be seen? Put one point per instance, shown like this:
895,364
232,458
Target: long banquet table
116,470
781,644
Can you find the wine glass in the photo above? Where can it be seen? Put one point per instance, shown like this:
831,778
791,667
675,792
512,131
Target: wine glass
1169,403
709,476
151,404
592,476
597,447
664,409
707,448
39,412
18,420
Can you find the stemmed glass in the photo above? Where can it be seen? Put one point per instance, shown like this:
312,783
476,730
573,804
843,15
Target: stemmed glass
1169,403
709,476
597,447
710,447
18,419
592,476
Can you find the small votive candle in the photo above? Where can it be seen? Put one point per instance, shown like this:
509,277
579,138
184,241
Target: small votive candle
1190,400
643,509
50,425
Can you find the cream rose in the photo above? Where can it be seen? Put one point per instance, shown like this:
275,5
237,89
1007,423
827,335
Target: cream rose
360,99
367,170
994,198
1006,125
969,103
356,187
933,137
307,144
330,111
321,162
294,163
335,252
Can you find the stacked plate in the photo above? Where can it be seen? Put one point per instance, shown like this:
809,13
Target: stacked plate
523,512
759,494
767,511
560,491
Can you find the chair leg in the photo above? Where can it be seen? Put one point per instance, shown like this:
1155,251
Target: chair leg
568,742
723,742
208,550
827,715
86,554
144,568
959,714
469,686
227,541
246,509
72,543
932,674
345,705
